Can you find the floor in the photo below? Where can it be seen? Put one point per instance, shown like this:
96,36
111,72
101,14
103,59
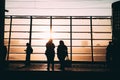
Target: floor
38,71
43,67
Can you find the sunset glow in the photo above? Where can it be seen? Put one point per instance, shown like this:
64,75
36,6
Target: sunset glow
59,28
84,26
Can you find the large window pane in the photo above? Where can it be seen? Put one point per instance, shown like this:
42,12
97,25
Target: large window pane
7,21
20,35
41,28
81,57
39,49
61,22
17,49
99,57
101,36
81,28
61,35
6,35
18,42
81,43
61,28
101,28
41,35
20,21
41,22
99,50
7,27
20,28
81,50
101,21
80,21
15,57
39,42
81,35
100,42
38,57
6,41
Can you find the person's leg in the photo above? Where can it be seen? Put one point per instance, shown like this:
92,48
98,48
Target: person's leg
52,61
48,63
27,60
52,65
62,64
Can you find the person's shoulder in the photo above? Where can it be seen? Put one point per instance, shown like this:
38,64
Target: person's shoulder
65,45
53,44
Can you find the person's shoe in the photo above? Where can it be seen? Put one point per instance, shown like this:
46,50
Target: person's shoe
60,68
52,69
48,69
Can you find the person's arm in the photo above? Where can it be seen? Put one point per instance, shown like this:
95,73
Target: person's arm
66,51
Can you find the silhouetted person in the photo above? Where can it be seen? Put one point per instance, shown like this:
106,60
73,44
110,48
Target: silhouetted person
109,52
116,56
3,53
62,53
28,50
50,54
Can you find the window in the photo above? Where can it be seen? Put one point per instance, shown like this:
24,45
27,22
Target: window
85,36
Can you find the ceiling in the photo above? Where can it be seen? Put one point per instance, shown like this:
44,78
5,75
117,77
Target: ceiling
60,7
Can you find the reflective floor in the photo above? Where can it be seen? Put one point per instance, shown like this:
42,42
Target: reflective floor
86,67
38,71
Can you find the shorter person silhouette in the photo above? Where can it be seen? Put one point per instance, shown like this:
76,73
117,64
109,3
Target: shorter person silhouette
28,50
50,54
62,53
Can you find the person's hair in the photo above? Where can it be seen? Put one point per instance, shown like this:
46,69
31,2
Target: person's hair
61,42
27,44
50,40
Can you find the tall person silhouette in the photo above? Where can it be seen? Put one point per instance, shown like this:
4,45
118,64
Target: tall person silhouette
50,54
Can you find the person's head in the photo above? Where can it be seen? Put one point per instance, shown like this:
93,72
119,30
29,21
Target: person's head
4,46
27,44
50,40
61,42
110,42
